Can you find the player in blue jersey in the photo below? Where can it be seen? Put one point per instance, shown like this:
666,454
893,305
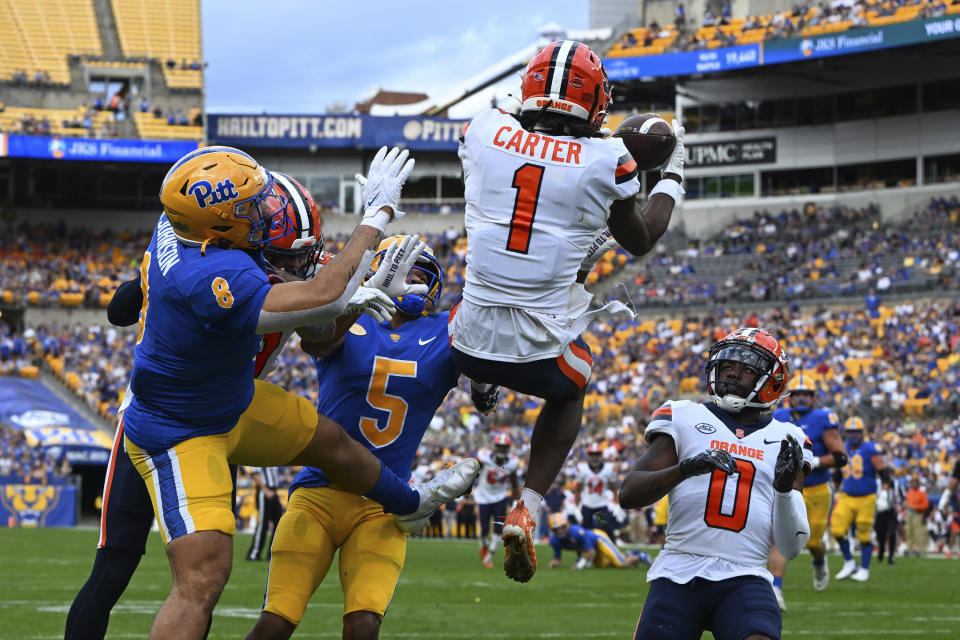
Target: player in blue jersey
821,425
383,381
593,546
857,501
127,513
196,407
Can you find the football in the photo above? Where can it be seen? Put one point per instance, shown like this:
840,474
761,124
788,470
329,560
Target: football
649,139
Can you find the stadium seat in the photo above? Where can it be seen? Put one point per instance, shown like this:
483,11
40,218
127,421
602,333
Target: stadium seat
37,37
164,30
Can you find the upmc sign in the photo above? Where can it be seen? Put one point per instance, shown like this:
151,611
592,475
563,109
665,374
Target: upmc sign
733,152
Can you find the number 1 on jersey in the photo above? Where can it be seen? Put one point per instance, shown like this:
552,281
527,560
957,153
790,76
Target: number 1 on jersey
526,180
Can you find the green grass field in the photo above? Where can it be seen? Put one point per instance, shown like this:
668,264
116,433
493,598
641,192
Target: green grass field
444,592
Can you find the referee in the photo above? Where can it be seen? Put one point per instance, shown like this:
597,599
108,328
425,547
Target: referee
267,482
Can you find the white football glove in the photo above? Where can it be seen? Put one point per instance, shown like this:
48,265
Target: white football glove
675,163
391,275
601,243
381,186
582,563
373,302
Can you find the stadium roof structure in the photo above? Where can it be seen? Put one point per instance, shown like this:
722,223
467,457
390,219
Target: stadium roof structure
493,74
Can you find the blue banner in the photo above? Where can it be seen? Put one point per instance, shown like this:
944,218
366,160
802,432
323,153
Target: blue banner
360,131
36,505
47,148
683,63
49,422
859,40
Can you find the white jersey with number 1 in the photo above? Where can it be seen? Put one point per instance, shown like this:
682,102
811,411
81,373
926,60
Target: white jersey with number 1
534,204
719,526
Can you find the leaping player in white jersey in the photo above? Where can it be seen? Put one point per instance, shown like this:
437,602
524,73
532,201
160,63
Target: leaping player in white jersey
544,193
712,573
498,475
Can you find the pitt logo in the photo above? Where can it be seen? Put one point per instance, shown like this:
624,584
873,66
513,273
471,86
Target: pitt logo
28,502
202,191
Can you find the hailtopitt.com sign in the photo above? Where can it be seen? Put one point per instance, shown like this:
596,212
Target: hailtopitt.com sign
731,152
329,131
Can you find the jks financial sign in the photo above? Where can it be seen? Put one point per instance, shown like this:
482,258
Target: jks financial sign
731,152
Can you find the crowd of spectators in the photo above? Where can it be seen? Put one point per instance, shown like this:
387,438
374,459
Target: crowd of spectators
894,362
786,24
793,255
184,65
815,253
41,77
22,463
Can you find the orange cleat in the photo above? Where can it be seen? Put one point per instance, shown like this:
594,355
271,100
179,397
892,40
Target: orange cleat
520,562
483,552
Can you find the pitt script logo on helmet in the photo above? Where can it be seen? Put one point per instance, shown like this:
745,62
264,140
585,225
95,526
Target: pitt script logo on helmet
757,351
221,195
567,77
414,304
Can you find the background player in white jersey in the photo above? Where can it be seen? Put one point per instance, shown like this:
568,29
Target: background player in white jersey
712,573
498,474
544,192
594,478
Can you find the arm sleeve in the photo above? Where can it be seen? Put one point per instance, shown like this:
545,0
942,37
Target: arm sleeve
625,181
790,527
124,307
270,321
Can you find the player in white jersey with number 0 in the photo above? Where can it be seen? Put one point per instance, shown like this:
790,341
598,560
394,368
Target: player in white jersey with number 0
735,479
544,193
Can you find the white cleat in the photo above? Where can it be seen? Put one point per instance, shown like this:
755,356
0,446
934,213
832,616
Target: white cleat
848,568
821,576
862,575
778,592
448,485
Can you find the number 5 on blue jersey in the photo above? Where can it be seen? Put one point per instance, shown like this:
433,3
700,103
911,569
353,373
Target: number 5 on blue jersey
395,406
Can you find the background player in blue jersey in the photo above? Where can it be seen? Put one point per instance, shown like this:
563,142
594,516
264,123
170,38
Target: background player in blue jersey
857,501
127,513
593,546
196,407
383,381
821,425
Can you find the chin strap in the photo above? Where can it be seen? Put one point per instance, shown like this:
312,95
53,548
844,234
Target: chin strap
735,404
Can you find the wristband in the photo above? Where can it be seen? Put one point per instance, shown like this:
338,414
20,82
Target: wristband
668,187
816,463
376,218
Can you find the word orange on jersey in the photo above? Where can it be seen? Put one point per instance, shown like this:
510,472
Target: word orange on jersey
537,145
737,449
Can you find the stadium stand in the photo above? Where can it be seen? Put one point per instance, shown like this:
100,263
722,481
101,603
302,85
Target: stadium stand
168,31
817,253
802,20
151,126
36,36
79,122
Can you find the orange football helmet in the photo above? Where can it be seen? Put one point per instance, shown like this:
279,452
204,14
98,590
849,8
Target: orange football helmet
567,77
221,195
754,349
296,252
